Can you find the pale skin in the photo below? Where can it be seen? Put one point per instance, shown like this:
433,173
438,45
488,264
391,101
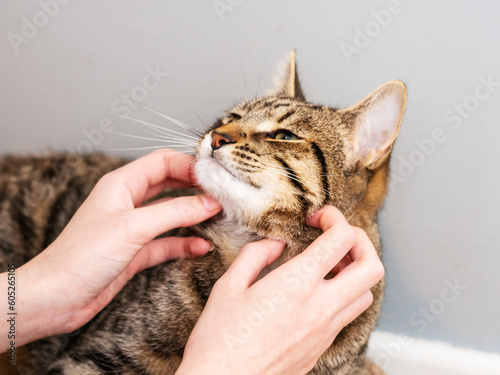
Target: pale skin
112,237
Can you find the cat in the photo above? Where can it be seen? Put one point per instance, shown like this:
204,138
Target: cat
270,162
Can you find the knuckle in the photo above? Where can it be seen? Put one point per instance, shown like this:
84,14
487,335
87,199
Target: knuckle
374,271
350,235
125,223
180,210
71,326
378,271
367,300
345,234
302,294
250,247
187,207
359,232
227,283
309,366
247,247
218,286
105,180
187,246
344,297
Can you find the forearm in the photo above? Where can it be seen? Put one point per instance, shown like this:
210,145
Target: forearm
25,308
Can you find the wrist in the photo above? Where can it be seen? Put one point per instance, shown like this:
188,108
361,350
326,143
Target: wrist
186,369
39,308
209,365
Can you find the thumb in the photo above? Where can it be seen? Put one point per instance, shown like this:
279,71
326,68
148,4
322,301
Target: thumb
169,248
252,259
151,221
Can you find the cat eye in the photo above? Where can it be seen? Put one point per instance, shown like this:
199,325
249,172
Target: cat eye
283,135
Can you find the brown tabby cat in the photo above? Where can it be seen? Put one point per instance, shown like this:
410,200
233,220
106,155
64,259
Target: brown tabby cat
271,162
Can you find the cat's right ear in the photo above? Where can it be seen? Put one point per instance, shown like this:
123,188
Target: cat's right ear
287,80
374,124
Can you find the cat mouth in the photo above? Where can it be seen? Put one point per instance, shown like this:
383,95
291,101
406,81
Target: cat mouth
224,167
236,176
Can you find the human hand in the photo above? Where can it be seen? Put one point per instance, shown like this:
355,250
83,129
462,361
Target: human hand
282,323
108,241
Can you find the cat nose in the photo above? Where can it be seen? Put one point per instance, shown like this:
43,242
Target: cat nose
219,140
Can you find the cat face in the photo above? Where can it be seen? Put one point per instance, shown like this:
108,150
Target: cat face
272,161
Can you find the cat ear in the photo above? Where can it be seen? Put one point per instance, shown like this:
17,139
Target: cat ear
375,123
287,80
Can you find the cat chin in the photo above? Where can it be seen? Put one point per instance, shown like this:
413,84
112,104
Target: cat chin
238,199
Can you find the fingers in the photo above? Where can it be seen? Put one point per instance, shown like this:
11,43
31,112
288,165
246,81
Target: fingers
169,248
352,311
251,260
142,174
344,262
168,183
365,269
158,201
362,273
325,217
329,248
150,221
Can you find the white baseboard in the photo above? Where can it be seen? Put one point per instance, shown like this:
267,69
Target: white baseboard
404,355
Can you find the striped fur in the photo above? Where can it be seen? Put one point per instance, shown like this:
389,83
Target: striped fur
267,187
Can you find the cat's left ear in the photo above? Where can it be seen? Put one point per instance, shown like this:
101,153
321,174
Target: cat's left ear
287,79
374,124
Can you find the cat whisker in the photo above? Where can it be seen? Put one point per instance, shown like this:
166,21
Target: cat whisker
230,86
169,138
185,153
175,121
134,148
238,92
221,100
298,179
315,174
323,175
178,141
202,121
280,153
327,193
158,127
243,74
180,153
260,75
173,140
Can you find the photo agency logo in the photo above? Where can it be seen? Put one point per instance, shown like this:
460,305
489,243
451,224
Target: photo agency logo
223,6
31,26
93,138
45,353
294,281
454,117
421,319
121,106
363,36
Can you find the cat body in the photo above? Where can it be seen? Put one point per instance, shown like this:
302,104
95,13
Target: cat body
271,162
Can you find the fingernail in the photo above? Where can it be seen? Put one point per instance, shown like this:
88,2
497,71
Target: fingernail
212,246
209,203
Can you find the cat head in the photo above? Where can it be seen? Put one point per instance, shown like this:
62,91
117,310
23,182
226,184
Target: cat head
272,161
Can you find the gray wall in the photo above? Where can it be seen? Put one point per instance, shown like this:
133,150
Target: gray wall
440,223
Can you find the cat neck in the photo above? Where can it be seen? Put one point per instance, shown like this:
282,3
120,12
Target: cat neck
228,237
